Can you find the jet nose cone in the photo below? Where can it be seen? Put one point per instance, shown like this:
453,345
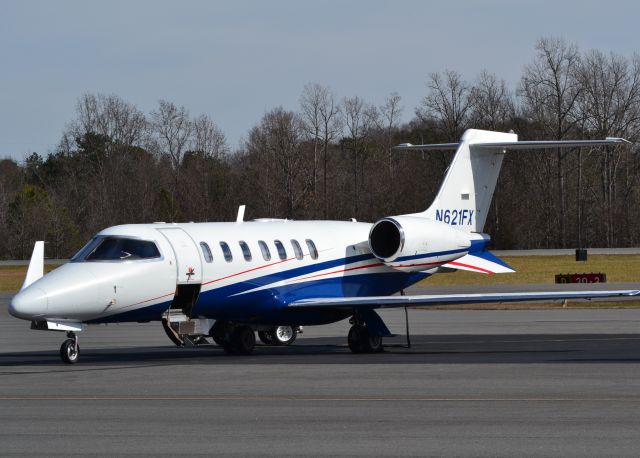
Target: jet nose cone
29,303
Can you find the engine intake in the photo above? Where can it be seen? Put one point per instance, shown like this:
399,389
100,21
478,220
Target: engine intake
386,239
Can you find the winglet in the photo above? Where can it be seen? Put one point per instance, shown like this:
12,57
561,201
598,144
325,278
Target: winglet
36,266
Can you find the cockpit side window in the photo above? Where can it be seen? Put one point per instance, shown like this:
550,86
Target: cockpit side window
118,249
88,248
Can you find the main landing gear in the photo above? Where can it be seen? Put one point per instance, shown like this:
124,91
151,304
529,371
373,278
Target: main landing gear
362,340
70,350
235,340
239,339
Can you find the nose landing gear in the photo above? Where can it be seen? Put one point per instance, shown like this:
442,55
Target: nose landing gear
280,335
70,350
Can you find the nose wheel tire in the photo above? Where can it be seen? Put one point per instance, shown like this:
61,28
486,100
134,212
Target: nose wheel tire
70,351
285,335
360,340
279,335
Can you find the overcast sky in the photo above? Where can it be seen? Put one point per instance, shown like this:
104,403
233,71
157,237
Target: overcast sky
234,60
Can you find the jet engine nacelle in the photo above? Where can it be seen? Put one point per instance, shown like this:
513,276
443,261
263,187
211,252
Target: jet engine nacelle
398,239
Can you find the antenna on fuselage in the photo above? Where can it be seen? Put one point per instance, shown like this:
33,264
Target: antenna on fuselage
240,217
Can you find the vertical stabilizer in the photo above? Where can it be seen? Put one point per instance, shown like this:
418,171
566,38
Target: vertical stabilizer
36,266
466,192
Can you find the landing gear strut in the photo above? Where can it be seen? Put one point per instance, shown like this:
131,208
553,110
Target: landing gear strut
70,350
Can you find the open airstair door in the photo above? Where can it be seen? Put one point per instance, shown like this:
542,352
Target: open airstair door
188,268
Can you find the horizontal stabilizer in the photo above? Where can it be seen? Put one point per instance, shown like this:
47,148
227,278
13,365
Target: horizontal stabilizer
550,144
483,262
526,144
432,146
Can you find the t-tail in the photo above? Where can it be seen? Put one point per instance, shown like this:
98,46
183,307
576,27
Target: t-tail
462,203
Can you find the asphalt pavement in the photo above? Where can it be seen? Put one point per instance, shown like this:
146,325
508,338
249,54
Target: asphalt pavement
559,382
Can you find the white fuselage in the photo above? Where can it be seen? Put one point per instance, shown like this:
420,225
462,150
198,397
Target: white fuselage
254,284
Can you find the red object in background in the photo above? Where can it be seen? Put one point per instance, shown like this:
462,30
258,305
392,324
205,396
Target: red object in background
589,278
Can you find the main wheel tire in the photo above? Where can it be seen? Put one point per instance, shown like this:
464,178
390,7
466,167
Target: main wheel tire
70,351
374,343
267,337
243,341
362,341
357,337
219,332
285,335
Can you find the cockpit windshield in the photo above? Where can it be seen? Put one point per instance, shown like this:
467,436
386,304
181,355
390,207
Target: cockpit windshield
117,249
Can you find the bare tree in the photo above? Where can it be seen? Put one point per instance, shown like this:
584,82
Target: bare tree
390,114
275,146
331,123
207,138
492,105
311,101
610,106
549,90
448,101
111,117
172,130
105,130
353,115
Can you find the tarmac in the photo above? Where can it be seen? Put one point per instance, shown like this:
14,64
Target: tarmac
560,382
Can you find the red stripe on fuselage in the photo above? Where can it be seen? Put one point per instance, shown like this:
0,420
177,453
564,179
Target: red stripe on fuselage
247,271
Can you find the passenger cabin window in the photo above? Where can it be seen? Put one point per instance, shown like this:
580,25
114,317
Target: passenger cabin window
226,251
117,249
266,254
206,251
282,253
246,252
312,249
296,249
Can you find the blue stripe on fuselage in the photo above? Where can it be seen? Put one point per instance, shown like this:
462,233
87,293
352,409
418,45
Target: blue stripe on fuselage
270,304
240,287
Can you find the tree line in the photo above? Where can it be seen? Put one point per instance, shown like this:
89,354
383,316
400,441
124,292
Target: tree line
332,158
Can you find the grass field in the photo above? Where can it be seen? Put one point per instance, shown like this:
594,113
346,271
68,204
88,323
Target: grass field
542,269
529,270
11,277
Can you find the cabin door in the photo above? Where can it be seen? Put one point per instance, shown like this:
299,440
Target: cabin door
188,261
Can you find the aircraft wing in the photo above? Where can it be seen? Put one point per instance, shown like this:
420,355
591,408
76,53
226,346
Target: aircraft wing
444,299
